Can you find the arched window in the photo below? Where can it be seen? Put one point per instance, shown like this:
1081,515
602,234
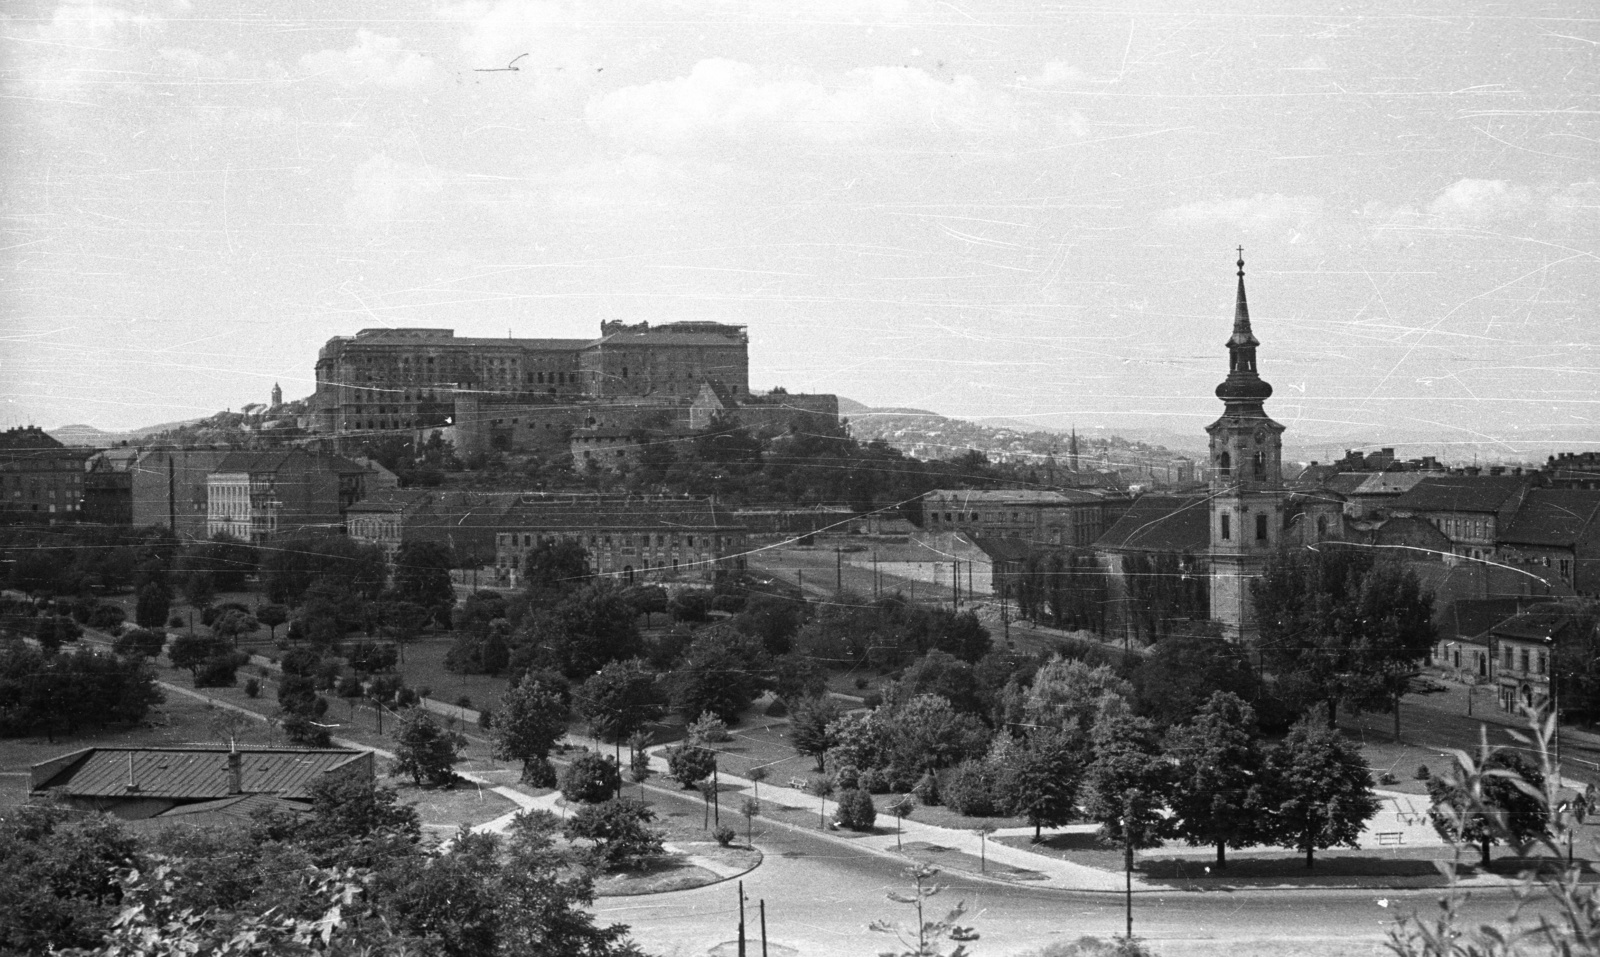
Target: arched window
1322,527
1225,463
1261,464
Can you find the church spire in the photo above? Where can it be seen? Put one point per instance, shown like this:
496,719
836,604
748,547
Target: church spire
1243,390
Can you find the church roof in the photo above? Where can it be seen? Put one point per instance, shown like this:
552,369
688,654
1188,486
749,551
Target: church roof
1165,523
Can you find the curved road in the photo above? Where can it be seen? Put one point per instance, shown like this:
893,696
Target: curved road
820,897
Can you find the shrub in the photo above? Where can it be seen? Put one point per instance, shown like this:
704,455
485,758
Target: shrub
349,687
689,765
618,830
252,687
140,641
968,788
405,697
875,781
176,621
723,833
926,790
1387,777
847,778
464,702
591,779
710,729
1423,773
728,603
861,684
219,671
871,700
486,719
106,616
302,730
856,811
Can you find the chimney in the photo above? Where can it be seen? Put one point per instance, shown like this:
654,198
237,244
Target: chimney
133,784
235,773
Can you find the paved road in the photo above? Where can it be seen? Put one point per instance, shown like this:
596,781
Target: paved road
820,898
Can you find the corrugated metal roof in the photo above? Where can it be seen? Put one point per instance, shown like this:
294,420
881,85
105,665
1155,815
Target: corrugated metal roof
191,773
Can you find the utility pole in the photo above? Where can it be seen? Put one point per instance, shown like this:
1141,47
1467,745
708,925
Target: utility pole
741,919
801,572
838,568
1127,858
955,583
763,927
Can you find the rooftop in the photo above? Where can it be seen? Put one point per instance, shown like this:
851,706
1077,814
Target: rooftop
188,773
1171,523
1553,516
1463,493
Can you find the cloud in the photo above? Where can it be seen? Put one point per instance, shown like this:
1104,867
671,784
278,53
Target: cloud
82,39
1478,202
1290,217
374,60
723,101
383,190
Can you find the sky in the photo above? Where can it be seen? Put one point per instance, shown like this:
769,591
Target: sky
1020,209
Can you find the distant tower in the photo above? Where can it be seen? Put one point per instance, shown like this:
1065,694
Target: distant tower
277,395
1073,448
1247,493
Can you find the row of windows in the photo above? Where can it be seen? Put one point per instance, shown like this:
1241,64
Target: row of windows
1523,655
1459,527
627,541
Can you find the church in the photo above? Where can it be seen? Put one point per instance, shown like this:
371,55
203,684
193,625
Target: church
1247,492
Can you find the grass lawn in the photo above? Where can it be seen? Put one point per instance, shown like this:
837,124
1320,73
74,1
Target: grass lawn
950,859
680,823
449,808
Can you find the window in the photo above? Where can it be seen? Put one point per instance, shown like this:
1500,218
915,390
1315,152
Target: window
1261,464
1261,528
1565,566
1227,526
1508,659
1541,662
1225,464
1524,660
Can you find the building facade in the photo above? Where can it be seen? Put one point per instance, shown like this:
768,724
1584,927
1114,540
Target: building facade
41,480
260,496
1247,488
1069,518
628,538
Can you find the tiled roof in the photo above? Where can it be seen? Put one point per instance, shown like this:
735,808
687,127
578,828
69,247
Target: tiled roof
1471,618
1551,516
391,500
1462,493
258,462
1539,623
1169,523
187,773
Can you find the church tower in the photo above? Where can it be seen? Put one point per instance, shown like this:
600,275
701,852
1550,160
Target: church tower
1247,491
277,395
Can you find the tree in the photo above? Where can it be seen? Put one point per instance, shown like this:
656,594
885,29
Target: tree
591,778
750,809
944,675
1318,791
554,568
1043,777
809,720
191,651
349,808
1499,811
231,625
1338,626
422,577
1181,673
140,641
532,718
775,619
1217,796
1127,783
426,751
721,673
272,616
924,936
1069,694
689,764
153,602
620,832
620,700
